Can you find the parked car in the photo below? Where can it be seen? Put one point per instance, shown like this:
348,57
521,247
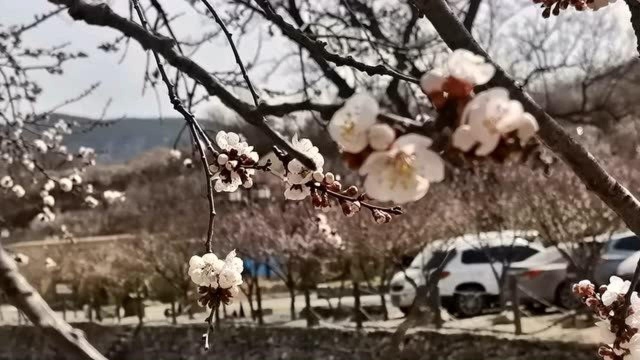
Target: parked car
544,276
628,266
618,248
468,283
548,275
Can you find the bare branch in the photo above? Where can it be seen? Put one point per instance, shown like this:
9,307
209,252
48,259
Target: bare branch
23,296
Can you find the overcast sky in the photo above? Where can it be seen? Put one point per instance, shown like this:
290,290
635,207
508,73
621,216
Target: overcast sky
122,82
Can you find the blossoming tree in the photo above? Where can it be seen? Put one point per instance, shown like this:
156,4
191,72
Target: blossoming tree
464,107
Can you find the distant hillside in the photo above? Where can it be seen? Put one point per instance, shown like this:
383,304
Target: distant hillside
118,141
121,140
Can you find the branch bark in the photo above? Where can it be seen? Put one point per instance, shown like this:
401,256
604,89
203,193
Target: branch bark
71,342
634,8
102,15
583,163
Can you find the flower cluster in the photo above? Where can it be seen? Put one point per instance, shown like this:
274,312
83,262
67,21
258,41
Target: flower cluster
396,169
109,196
234,165
485,120
217,279
619,321
555,6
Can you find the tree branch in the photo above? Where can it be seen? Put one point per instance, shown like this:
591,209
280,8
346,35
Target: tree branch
634,8
102,15
70,342
472,13
583,163
317,48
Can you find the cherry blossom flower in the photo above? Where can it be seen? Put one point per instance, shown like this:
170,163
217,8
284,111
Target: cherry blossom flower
4,233
21,259
349,125
66,184
86,152
6,182
210,271
49,185
48,200
40,145
18,191
489,116
175,154
298,174
402,173
615,289
381,136
233,163
462,66
188,163
91,201
76,179
113,196
50,264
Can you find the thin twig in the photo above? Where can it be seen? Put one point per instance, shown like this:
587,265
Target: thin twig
196,131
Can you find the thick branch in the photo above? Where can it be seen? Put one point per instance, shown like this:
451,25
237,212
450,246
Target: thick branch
634,8
102,15
69,341
317,48
583,164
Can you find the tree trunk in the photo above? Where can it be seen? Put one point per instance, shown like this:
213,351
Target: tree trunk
292,306
174,319
259,300
307,303
357,310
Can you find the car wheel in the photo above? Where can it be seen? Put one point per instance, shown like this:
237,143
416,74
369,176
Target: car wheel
469,302
565,297
535,308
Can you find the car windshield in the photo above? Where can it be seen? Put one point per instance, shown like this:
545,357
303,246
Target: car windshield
547,256
429,259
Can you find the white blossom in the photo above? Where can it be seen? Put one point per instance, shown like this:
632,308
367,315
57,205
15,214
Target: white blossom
50,264
49,185
6,182
236,155
615,288
604,332
76,179
91,201
46,215
86,152
297,172
462,65
489,116
402,173
175,154
18,191
209,270
40,145
65,184
48,200
113,196
297,192
187,163
349,125
28,164
381,136
4,233
21,259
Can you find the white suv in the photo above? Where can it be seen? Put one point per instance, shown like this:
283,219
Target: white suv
468,283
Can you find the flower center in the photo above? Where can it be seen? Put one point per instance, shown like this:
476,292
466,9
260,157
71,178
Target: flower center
490,124
349,126
403,170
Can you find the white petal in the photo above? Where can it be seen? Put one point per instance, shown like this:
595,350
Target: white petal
432,81
462,138
413,140
196,262
209,258
297,193
429,165
527,129
375,162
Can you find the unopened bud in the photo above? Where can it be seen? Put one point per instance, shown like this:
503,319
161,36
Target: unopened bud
318,176
329,178
222,159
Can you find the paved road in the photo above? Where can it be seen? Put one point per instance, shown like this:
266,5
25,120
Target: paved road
154,312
